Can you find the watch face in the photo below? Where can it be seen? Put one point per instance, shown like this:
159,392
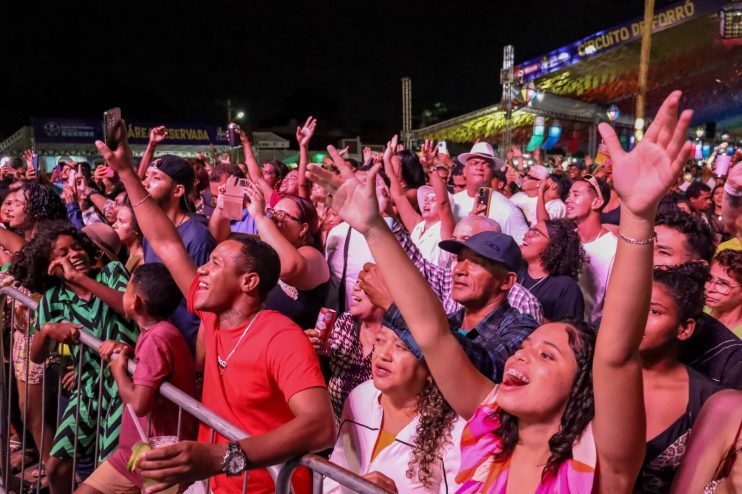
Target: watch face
235,463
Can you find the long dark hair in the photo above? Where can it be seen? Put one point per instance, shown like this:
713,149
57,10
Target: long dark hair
563,255
433,433
580,408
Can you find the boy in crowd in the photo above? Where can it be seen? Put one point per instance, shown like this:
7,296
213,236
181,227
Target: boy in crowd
161,353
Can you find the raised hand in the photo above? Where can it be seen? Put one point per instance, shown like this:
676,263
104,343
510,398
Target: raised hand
256,206
28,158
63,268
428,153
354,202
121,159
642,176
391,147
304,134
157,134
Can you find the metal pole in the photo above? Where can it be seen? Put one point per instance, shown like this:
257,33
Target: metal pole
506,80
229,110
644,66
406,111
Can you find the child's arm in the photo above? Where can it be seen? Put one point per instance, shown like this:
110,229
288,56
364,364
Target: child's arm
141,398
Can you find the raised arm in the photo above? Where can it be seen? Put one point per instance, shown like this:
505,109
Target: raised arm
731,206
156,136
303,136
462,385
155,225
407,213
427,159
640,178
304,267
253,168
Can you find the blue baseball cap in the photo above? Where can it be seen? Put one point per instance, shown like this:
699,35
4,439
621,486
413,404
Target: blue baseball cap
497,247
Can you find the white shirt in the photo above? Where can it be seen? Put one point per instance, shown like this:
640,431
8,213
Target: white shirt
505,213
358,255
360,427
595,272
554,208
427,241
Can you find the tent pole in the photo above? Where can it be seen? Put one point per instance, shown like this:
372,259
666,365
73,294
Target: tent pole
644,67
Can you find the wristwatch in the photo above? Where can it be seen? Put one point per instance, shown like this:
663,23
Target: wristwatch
235,460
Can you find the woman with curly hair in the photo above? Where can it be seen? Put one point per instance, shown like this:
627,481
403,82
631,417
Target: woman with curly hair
24,207
399,417
546,428
553,256
673,392
58,263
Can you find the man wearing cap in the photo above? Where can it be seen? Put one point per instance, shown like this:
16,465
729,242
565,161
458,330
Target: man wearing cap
533,186
479,165
169,180
483,276
576,169
587,198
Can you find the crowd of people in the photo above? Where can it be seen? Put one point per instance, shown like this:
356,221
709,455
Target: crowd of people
500,327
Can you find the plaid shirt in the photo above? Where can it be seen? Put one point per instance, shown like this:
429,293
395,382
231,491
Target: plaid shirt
488,345
441,281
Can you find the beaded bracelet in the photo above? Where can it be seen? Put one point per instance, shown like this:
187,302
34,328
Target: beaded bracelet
635,241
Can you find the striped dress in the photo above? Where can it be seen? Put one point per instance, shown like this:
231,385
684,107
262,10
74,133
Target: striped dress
98,319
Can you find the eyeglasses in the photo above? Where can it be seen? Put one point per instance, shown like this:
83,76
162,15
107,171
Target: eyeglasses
280,215
722,286
531,177
593,181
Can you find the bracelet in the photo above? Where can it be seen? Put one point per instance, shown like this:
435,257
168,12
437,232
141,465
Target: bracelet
635,241
139,203
732,191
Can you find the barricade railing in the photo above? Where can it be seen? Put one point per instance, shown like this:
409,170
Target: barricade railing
281,474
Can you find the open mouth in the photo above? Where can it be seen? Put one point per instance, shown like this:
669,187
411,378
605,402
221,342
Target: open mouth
514,378
202,285
355,299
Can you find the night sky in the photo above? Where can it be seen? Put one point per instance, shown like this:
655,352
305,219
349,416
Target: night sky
338,60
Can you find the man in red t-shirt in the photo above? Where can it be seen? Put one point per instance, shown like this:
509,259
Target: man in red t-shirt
260,372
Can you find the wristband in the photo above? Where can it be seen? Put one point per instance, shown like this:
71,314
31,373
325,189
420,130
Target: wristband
636,241
732,191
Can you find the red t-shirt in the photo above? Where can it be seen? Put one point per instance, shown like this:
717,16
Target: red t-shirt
273,362
162,354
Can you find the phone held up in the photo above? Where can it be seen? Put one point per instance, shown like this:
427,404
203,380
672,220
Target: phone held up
485,193
112,128
234,197
232,136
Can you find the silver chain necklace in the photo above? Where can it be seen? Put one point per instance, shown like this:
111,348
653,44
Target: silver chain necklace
222,363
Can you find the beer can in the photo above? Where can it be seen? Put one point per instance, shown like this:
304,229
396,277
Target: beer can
325,323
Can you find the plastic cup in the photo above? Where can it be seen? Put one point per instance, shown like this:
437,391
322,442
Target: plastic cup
161,442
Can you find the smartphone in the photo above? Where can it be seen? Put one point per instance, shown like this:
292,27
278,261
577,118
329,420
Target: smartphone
112,132
110,173
234,197
485,193
232,137
35,161
72,178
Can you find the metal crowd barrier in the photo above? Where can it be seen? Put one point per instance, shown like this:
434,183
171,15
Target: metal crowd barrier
281,474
